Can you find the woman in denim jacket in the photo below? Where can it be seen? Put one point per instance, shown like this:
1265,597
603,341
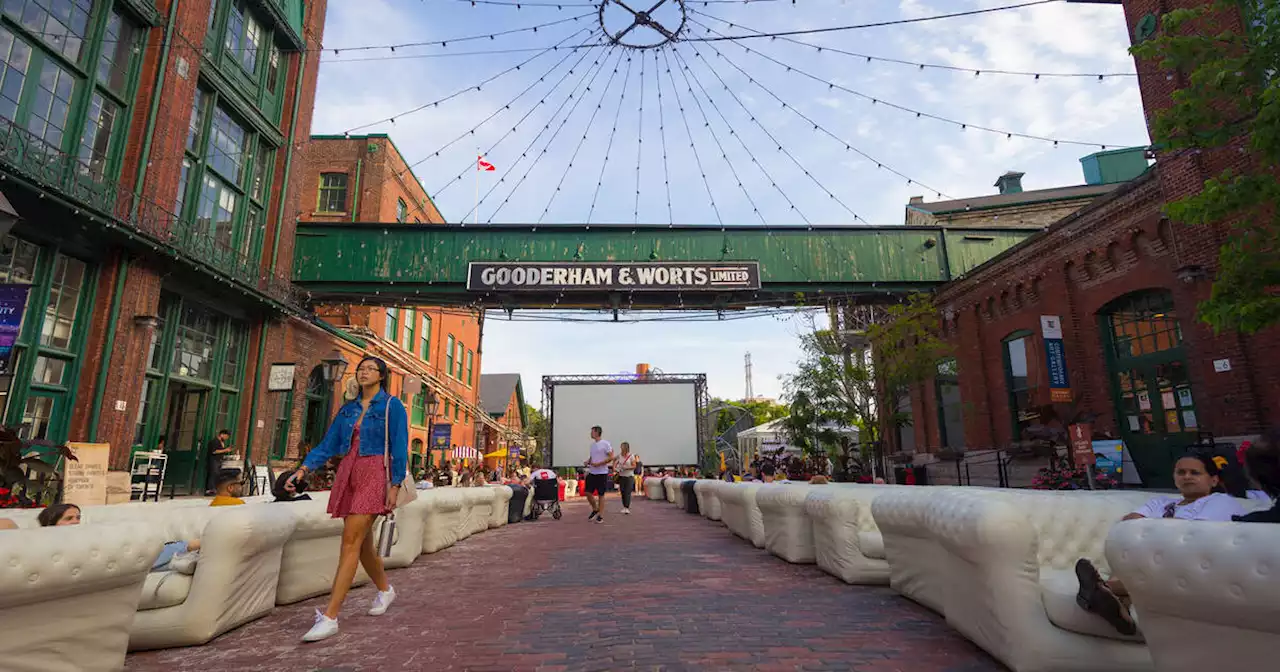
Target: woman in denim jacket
364,428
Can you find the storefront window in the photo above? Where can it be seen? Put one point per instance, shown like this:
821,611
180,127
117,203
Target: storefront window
1018,381
64,300
950,408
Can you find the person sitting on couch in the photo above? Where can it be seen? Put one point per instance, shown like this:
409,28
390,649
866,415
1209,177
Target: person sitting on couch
229,490
1199,482
69,514
1263,461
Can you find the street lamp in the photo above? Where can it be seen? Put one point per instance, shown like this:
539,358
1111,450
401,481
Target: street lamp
333,367
432,403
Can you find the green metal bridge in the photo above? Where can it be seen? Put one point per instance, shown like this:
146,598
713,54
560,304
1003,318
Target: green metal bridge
642,267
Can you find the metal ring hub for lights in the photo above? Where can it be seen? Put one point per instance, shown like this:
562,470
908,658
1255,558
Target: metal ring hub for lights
644,22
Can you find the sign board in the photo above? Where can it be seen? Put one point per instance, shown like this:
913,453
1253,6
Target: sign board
441,434
1221,365
649,276
1110,458
1082,444
13,302
412,386
1055,358
85,478
281,378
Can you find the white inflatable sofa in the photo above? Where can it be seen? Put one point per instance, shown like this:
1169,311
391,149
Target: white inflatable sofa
653,488
708,498
68,594
788,532
443,518
1206,595
740,513
847,543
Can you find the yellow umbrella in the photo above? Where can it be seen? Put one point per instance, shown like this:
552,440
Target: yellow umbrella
501,452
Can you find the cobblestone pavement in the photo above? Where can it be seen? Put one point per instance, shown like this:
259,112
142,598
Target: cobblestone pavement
656,590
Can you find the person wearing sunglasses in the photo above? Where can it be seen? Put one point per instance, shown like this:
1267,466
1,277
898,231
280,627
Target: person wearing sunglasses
1201,496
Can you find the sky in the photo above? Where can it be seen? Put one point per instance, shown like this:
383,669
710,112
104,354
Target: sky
750,132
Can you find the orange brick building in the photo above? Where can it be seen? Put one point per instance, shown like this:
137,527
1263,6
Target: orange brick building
365,179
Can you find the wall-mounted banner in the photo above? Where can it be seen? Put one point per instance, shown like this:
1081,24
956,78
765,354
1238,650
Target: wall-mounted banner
1055,358
686,276
441,434
13,301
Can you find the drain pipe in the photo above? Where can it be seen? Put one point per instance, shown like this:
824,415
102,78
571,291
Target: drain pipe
153,113
253,396
355,198
288,158
108,344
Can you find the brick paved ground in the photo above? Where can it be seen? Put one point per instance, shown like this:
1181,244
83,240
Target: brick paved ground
658,590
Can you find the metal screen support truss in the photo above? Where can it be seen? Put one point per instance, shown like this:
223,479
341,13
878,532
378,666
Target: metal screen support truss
702,402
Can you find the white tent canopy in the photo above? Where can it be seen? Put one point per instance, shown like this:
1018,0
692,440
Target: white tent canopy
772,435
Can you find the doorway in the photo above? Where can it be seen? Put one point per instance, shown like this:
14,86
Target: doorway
319,400
183,432
1155,404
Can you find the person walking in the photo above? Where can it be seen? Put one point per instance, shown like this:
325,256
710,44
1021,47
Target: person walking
365,429
597,464
625,466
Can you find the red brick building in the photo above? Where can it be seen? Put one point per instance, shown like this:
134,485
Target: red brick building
502,396
365,179
1125,282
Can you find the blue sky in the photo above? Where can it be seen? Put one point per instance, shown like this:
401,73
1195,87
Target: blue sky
600,187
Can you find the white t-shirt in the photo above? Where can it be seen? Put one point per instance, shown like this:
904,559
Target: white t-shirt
543,474
600,454
1218,506
625,466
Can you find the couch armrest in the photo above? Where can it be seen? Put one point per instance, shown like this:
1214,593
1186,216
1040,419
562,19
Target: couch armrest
45,564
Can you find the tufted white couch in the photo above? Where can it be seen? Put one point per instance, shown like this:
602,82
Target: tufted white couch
68,594
847,543
670,488
501,504
1011,587
410,521
653,488
570,488
708,498
915,559
476,511
443,516
788,532
311,554
1205,593
740,513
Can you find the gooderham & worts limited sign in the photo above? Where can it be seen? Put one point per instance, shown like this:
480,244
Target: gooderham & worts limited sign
687,276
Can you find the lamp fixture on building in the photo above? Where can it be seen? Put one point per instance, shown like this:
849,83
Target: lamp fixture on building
432,403
8,216
146,321
1191,273
332,367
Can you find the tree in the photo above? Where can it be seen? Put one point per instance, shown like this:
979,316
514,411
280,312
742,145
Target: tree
760,410
906,349
1232,95
539,430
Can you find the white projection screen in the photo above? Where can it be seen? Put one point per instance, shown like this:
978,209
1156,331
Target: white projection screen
659,420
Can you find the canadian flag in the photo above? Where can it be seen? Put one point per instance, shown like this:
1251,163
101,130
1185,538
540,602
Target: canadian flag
481,164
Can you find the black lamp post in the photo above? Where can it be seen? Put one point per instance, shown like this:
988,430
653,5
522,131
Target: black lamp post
432,403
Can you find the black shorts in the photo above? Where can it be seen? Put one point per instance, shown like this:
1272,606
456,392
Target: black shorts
597,484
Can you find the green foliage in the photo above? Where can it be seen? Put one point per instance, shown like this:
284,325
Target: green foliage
760,410
539,430
1232,92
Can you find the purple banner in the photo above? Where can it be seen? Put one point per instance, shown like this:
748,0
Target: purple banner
13,301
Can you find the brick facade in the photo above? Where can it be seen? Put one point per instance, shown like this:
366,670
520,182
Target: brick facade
1121,244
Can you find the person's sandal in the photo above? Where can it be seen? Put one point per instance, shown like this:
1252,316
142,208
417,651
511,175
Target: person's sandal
1095,598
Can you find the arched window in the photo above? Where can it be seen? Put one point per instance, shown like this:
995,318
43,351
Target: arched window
319,403
1150,381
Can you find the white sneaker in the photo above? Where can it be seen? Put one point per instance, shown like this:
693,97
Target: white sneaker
626,511
324,628
382,600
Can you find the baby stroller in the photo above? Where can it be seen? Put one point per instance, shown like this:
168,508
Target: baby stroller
546,497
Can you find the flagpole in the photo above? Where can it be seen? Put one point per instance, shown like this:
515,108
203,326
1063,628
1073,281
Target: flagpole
477,208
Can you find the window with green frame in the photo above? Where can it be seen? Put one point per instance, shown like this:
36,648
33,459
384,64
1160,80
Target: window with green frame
457,412
447,404
1019,361
223,185
425,337
460,354
448,358
333,193
402,210
280,429
243,46
418,416
470,354
392,331
410,329
40,393
70,92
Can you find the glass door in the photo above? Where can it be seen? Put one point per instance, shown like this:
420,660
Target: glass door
183,433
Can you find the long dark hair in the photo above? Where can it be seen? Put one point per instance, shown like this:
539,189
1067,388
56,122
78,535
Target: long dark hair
382,370
51,515
1211,467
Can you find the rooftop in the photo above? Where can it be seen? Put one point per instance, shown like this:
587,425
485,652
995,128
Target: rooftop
1081,191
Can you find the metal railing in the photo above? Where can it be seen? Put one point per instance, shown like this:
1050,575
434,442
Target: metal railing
48,167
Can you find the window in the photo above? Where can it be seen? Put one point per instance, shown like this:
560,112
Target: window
1017,365
115,63
62,24
52,103
333,192
469,356
410,329
457,412
418,417
199,109
217,208
393,325
446,409
950,409
263,162
1144,324
461,350
228,146
426,338
95,141
280,429
15,57
64,300
273,69
402,210
448,358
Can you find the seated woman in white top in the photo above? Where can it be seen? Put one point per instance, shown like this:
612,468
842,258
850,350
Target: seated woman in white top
1199,482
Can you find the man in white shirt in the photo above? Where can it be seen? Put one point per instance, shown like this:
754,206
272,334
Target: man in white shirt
598,473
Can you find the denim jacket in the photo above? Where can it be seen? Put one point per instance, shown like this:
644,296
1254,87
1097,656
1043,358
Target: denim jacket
337,441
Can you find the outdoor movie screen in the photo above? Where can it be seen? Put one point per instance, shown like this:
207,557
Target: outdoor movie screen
659,420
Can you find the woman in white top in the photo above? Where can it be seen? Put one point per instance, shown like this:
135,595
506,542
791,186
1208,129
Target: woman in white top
624,465
1201,497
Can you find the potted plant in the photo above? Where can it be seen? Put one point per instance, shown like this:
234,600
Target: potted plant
30,470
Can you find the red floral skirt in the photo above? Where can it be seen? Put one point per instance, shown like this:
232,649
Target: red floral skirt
360,486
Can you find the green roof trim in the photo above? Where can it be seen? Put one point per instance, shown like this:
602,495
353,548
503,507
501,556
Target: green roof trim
344,335
388,138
